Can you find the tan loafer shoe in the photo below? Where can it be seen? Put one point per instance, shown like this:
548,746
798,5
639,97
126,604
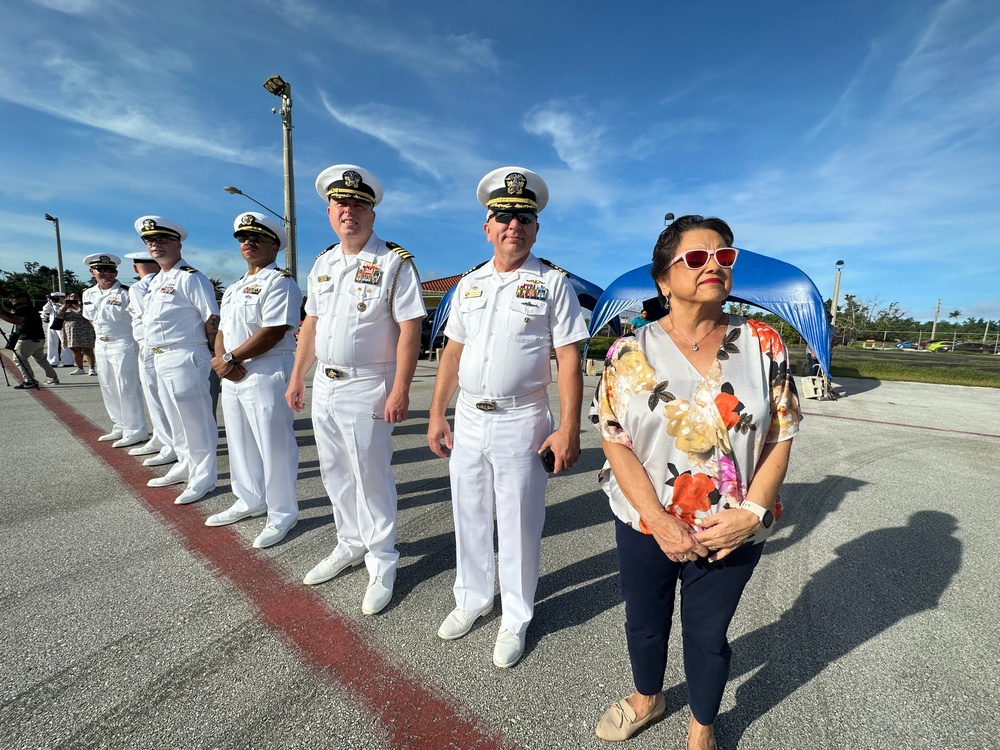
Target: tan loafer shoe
619,722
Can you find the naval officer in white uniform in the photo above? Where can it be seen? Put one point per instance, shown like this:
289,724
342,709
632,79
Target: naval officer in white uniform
507,316
362,324
160,447
53,338
105,305
254,353
180,322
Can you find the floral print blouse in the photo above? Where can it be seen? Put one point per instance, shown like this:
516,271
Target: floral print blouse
699,438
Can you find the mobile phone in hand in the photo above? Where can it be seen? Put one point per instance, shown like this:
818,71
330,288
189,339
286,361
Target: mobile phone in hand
548,459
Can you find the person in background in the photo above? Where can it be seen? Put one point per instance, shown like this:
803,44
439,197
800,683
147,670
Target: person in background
105,305
31,340
160,447
363,313
697,413
77,334
510,313
254,353
55,353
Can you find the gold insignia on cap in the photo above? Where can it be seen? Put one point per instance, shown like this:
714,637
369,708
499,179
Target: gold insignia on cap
351,178
105,259
148,225
247,220
515,183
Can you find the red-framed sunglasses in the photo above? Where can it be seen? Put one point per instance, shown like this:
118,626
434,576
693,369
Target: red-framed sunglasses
695,259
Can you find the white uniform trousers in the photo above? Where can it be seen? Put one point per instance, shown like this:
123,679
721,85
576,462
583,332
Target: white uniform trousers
182,382
151,393
263,454
495,462
53,345
118,374
355,453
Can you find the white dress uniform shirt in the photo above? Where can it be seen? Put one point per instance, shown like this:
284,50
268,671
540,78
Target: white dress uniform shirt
357,334
147,375
117,358
53,339
508,326
350,297
177,305
263,454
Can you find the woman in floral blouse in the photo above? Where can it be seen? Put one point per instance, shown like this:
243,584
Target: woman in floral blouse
697,414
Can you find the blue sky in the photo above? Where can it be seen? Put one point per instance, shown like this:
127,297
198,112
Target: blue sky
866,131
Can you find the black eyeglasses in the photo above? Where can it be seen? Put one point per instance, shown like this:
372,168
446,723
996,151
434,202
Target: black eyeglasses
105,269
158,239
523,217
251,239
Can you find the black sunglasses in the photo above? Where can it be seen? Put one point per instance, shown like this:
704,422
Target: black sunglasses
523,217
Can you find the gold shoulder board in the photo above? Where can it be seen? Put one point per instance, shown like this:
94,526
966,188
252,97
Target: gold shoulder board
552,265
189,269
476,268
404,254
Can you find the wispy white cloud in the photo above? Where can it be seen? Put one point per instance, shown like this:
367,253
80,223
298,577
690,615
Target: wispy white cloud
575,136
417,47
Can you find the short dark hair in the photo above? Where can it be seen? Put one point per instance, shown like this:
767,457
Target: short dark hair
19,294
669,239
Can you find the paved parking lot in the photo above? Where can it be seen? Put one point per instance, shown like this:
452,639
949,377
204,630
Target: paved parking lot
126,623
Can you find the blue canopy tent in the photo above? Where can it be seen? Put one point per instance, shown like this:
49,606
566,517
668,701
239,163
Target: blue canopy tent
771,284
587,293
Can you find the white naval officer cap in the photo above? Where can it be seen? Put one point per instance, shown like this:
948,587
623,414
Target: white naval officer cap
141,256
102,260
152,226
57,294
513,189
349,182
251,222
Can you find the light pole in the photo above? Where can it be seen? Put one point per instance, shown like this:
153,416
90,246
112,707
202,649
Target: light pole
280,87
836,294
236,191
55,221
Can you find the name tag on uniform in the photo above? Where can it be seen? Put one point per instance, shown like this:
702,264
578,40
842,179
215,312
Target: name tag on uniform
369,273
532,290
474,292
323,278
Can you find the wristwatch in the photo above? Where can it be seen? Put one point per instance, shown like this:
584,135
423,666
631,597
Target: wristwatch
766,516
229,359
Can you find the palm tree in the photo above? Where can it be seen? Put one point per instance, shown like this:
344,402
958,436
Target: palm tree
954,314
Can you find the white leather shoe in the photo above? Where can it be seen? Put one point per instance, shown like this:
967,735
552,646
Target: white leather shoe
191,495
165,456
271,535
125,442
331,567
153,446
508,650
165,481
378,594
460,622
109,437
229,516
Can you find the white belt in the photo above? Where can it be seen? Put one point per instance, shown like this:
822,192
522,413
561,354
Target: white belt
487,403
337,373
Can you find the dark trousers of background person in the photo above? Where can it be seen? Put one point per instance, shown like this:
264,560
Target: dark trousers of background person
25,349
710,593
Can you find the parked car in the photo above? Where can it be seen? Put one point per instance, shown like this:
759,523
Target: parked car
425,335
940,346
977,346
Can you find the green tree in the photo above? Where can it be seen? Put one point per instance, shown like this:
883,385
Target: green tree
38,280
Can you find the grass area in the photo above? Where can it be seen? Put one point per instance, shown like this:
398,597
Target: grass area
948,368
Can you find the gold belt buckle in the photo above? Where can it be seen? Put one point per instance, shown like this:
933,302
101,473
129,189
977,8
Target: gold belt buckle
157,350
105,338
334,373
486,405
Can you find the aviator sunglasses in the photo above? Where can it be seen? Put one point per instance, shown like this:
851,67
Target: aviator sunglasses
506,217
695,259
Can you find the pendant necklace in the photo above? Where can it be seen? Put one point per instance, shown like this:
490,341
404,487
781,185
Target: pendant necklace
694,344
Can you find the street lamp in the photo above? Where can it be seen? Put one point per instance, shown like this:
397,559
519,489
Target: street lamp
55,222
236,191
836,294
280,87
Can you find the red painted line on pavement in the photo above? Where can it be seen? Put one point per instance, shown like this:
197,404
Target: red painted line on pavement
412,714
899,424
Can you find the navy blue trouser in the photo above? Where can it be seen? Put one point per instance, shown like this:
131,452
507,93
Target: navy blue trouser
710,593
